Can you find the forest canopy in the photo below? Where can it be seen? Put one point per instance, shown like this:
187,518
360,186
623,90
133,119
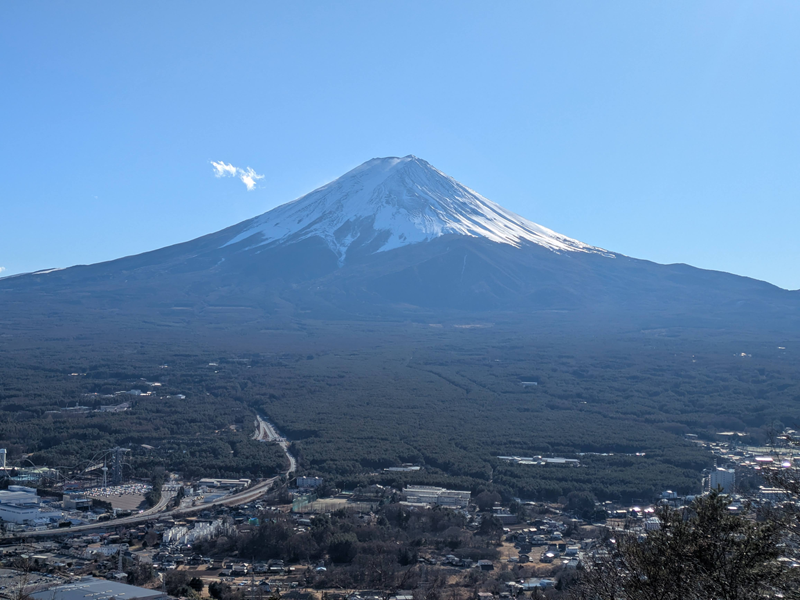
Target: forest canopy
357,398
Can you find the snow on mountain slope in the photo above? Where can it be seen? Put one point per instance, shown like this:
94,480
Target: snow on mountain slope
391,202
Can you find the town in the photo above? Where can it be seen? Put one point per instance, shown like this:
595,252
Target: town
296,537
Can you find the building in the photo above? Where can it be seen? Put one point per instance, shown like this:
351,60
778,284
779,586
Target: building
76,502
406,468
309,482
20,504
505,517
722,478
542,461
569,462
771,495
453,499
28,475
116,407
536,583
98,589
428,494
223,483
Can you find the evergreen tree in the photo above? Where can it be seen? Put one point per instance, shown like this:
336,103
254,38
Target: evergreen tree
708,553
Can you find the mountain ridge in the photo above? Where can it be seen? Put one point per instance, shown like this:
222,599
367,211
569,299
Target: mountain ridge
325,258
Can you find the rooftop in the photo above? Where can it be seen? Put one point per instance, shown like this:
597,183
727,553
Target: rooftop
97,589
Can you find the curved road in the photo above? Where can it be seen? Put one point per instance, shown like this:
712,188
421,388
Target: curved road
265,432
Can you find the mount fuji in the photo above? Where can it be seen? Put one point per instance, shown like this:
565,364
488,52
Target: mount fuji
387,203
395,238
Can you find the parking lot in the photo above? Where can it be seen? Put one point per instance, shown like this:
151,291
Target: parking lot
125,497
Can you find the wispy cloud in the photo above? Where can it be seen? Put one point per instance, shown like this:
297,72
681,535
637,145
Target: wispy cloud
247,176
223,170
2,269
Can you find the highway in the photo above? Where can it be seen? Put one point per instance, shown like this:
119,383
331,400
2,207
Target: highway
264,432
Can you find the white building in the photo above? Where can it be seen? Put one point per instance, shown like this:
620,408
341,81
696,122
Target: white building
20,504
428,494
724,478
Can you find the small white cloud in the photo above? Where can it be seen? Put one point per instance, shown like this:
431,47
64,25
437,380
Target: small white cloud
247,176
2,269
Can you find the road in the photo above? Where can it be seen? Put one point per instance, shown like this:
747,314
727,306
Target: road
242,497
265,432
160,505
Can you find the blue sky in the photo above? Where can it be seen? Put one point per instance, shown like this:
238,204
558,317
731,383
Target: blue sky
665,131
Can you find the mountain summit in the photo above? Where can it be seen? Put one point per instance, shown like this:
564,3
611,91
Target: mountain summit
387,203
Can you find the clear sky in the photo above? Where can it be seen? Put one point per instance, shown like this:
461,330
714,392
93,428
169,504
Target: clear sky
667,131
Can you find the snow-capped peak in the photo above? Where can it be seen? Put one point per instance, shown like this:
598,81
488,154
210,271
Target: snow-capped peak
387,203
